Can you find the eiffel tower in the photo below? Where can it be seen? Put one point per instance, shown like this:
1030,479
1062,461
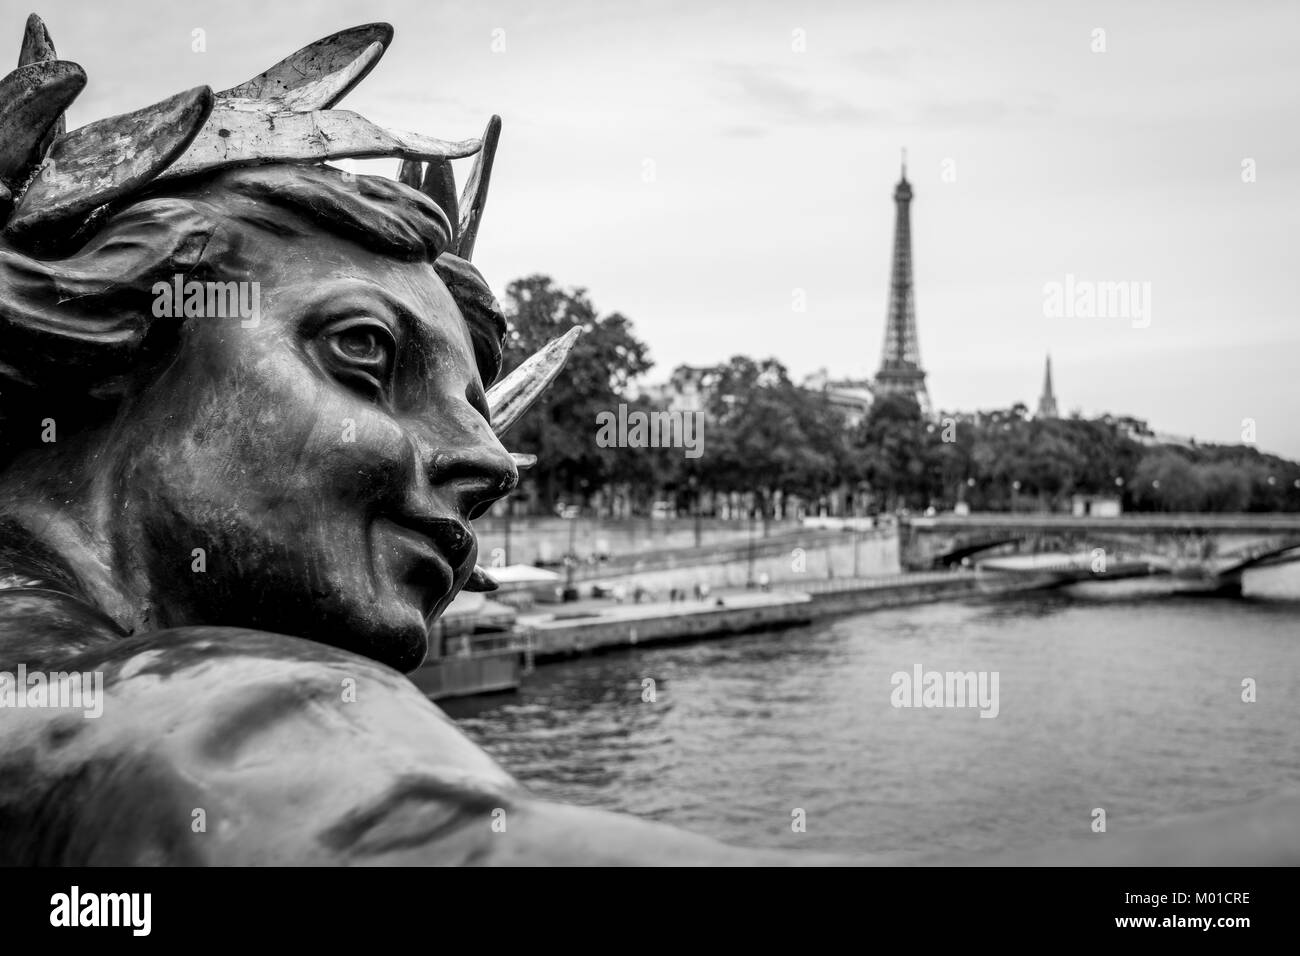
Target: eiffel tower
900,365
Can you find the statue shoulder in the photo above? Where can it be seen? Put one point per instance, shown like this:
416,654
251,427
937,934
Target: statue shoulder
232,746
39,624
211,745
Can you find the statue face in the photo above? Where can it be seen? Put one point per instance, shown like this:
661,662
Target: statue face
313,473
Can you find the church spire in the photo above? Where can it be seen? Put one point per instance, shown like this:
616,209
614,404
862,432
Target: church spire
1047,401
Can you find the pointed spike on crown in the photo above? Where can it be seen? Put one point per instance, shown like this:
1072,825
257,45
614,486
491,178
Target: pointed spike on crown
440,186
509,398
474,199
320,74
480,580
282,115
245,137
332,87
108,159
410,172
38,47
32,100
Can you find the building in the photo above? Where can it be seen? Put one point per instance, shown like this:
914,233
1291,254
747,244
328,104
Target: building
685,391
900,364
1095,506
1047,401
850,395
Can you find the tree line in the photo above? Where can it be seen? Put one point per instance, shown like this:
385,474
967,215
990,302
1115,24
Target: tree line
773,442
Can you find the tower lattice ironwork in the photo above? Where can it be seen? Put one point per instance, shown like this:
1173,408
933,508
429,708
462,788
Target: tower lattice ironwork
900,365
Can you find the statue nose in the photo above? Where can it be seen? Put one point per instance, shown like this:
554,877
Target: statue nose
474,478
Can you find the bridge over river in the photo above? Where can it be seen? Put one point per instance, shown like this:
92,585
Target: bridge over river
1210,550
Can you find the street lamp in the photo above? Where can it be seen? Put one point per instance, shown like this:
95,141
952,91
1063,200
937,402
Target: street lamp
694,483
510,508
749,574
571,559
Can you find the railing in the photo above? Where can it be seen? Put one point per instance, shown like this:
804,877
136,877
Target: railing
877,581
731,551
470,645
1180,521
467,624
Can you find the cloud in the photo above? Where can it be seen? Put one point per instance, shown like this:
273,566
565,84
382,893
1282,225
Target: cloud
777,99
1010,110
881,61
763,97
743,131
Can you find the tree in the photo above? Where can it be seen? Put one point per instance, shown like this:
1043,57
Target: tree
1166,481
766,434
1226,487
896,452
561,428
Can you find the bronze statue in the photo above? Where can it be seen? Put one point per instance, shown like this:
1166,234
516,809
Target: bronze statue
244,425
246,522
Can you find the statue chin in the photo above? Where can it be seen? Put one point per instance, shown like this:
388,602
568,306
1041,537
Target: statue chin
403,647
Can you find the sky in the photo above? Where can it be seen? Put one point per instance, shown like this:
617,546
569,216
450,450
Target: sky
705,168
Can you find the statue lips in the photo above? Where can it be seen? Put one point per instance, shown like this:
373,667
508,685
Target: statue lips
431,550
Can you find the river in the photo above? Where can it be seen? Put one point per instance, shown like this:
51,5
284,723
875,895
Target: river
1109,696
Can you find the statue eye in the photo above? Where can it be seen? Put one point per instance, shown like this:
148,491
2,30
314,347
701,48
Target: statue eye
360,344
361,352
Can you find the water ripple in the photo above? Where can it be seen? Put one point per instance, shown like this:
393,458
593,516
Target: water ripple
1124,702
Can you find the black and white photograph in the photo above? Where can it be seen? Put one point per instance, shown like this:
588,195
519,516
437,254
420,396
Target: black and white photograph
729,434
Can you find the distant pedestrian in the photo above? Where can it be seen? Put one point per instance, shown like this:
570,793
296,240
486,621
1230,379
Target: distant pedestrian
764,581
